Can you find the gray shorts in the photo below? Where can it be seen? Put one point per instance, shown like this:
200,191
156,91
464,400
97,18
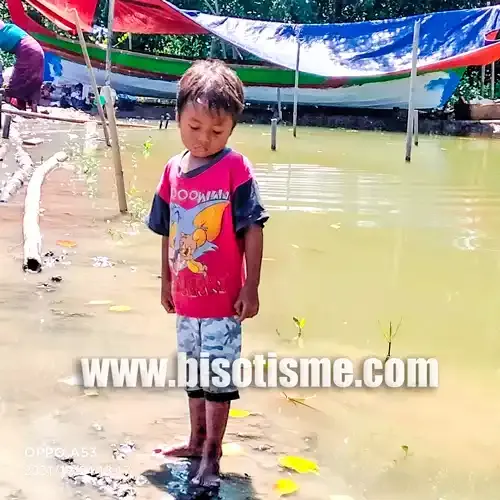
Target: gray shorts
215,338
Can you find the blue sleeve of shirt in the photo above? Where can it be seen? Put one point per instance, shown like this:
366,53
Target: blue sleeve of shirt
158,219
248,208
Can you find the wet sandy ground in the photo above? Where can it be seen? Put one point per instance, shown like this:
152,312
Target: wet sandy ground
46,327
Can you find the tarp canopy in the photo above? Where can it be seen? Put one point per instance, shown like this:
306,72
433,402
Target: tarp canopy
60,12
153,17
451,39
447,40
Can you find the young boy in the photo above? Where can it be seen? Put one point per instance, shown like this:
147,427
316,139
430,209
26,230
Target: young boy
208,210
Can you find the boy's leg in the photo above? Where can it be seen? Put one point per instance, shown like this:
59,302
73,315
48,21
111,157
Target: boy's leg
220,338
189,342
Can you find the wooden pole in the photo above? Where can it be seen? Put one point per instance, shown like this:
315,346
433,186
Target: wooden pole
111,16
274,130
413,76
115,147
93,81
493,80
483,75
280,111
415,126
296,89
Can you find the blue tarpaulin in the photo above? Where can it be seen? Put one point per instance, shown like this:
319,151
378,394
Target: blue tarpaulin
367,49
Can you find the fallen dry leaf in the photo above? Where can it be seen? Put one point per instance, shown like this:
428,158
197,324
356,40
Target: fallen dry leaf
66,243
238,413
285,486
120,308
299,464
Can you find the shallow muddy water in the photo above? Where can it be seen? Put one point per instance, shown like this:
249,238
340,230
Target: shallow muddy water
357,237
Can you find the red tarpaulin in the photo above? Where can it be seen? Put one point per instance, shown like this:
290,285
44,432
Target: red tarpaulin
153,17
60,12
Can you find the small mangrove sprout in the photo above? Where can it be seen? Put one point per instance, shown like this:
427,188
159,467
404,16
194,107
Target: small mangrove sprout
389,336
299,323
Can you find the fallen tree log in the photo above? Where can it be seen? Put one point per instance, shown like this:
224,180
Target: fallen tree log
31,226
30,114
22,174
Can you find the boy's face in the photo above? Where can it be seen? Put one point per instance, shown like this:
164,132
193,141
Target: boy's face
204,132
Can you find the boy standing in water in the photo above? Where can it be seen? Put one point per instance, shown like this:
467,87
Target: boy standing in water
208,209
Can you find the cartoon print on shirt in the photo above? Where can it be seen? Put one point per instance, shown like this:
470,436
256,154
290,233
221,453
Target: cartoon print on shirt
192,233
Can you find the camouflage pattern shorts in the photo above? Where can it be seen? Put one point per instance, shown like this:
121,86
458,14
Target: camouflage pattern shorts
215,338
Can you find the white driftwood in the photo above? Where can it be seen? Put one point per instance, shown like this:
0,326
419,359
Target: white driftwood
4,148
23,173
31,227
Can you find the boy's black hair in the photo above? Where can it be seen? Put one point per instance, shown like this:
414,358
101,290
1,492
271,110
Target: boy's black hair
212,83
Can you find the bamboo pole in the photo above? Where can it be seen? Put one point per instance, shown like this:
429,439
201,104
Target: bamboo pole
274,130
415,126
115,147
413,76
280,111
296,89
493,80
31,228
109,48
93,81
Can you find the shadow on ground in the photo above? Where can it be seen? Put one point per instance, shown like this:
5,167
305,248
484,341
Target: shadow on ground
174,478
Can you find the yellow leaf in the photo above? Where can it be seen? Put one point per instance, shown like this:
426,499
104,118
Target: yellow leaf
302,322
120,308
299,464
238,413
66,243
231,449
99,302
285,486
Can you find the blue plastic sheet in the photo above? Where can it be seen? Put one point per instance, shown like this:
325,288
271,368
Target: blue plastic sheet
358,50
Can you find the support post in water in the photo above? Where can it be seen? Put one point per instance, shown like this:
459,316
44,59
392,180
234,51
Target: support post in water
111,17
413,76
93,81
6,127
274,131
415,126
493,80
280,111
1,102
296,89
115,147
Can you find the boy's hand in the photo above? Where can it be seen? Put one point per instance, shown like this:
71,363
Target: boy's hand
247,305
166,298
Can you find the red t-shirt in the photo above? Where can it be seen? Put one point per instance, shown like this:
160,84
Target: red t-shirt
204,213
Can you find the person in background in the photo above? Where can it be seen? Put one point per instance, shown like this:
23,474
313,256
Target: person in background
26,81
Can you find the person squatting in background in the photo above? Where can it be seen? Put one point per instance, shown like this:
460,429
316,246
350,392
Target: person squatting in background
26,81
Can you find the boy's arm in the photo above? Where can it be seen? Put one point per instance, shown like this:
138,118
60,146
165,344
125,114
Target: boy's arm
159,222
249,217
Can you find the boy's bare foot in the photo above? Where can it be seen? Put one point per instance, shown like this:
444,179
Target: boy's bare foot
208,474
181,451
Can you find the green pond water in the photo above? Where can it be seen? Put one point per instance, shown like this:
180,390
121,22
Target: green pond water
358,237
